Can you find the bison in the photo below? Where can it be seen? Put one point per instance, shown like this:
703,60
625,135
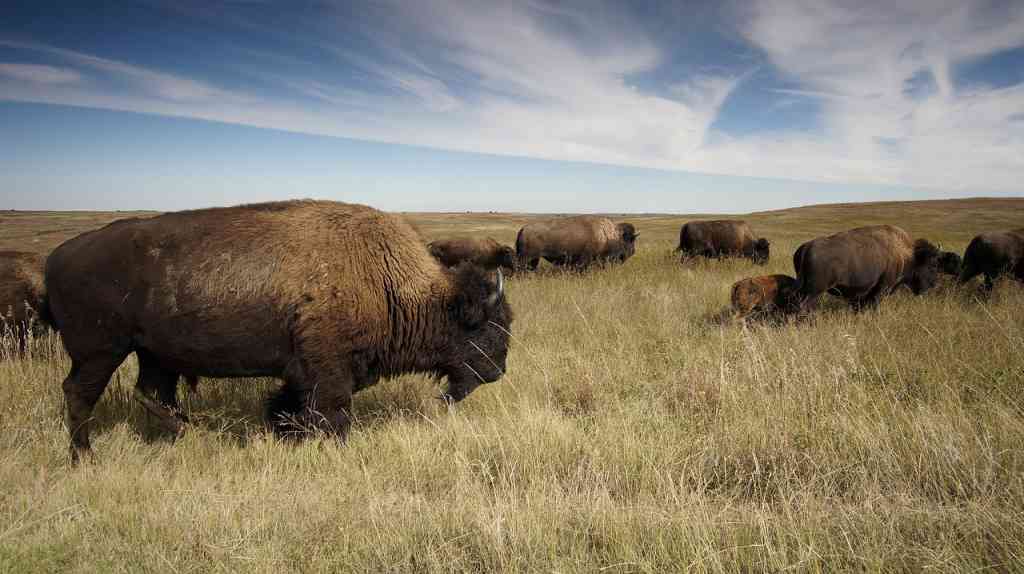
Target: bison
327,296
764,295
576,241
22,296
864,264
486,253
723,238
994,254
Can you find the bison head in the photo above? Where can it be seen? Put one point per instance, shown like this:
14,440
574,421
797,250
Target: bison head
480,319
924,267
762,251
506,257
950,263
628,234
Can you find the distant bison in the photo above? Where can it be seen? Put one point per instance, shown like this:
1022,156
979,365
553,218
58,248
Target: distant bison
994,254
22,296
576,241
722,238
864,264
327,296
486,253
763,295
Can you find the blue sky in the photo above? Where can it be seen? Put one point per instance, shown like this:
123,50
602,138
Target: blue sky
509,106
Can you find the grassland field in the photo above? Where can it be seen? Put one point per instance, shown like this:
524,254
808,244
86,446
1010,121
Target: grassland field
633,432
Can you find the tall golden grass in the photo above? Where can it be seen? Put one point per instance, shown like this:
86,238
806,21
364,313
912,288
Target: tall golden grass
635,431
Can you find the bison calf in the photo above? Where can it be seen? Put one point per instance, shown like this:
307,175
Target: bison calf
329,297
763,295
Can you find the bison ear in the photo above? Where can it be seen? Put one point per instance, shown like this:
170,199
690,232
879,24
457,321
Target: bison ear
476,294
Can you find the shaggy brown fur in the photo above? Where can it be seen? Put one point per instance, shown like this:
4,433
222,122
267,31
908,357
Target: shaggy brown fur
486,253
577,241
328,296
762,295
722,238
993,254
22,296
864,264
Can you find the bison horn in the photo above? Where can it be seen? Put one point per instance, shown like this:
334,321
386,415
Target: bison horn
499,291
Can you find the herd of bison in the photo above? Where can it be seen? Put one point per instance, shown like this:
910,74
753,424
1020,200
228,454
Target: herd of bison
330,297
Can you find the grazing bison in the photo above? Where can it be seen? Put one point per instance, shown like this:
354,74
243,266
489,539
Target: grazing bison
724,238
994,254
576,241
763,295
486,253
22,296
327,296
864,264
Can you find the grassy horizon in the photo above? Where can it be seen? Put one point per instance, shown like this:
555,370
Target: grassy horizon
634,432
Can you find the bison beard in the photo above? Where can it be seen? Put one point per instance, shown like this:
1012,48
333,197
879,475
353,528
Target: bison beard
329,297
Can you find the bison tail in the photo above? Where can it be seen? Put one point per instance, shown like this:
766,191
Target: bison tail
519,244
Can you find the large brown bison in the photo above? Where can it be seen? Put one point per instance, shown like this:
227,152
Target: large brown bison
994,254
764,295
22,296
329,297
576,241
722,238
864,264
486,253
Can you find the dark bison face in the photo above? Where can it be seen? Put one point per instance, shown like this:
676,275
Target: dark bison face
507,257
924,268
762,251
628,234
481,319
950,263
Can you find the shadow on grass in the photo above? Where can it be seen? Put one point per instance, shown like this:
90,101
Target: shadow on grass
235,408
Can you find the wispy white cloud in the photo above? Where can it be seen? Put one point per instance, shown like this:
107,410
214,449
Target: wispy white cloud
39,74
560,81
152,83
858,60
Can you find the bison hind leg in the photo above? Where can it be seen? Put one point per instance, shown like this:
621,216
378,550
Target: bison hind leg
157,381
83,387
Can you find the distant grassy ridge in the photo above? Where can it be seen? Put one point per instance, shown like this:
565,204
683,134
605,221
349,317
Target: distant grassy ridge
634,432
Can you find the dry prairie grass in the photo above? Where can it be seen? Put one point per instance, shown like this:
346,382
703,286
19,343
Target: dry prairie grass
633,433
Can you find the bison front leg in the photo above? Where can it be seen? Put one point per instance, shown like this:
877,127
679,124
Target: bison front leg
316,396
